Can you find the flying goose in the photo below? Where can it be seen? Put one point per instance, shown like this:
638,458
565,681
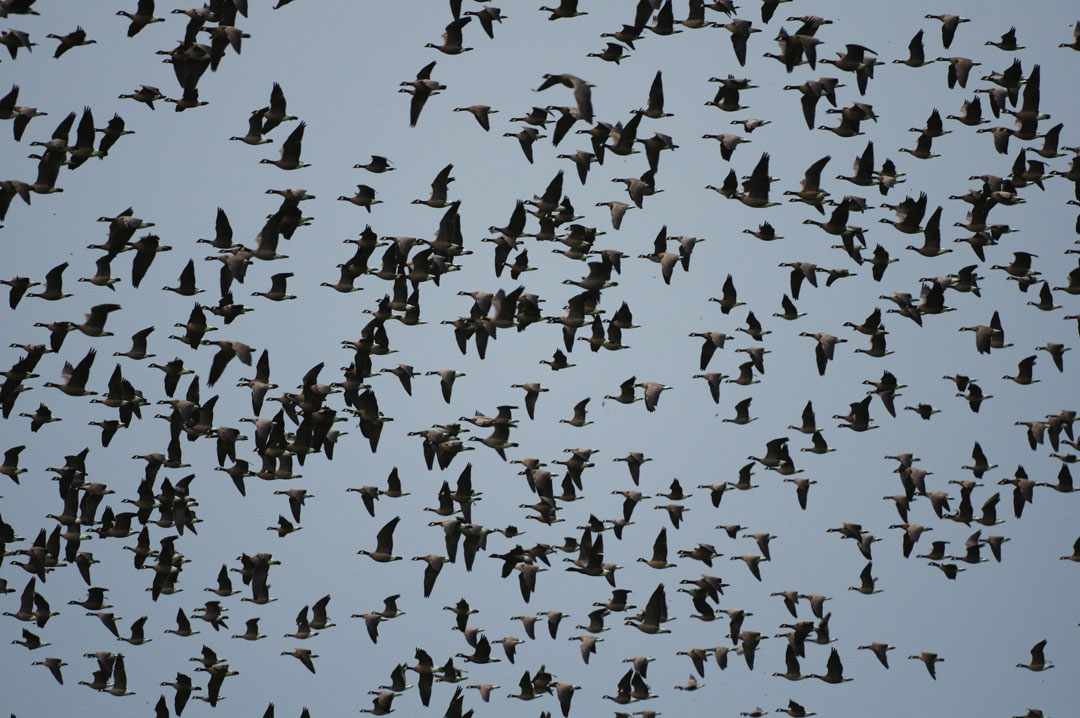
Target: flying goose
421,88
75,38
143,16
275,113
290,151
452,38
145,94
1038,661
929,659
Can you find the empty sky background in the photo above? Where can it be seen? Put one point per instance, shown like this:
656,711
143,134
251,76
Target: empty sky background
340,65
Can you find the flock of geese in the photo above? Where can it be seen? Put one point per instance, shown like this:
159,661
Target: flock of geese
313,432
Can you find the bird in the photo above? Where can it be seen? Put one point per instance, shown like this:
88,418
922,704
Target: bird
75,378
949,23
1038,661
868,583
146,94
226,351
929,659
384,550
143,16
439,187
421,89
275,113
290,151
526,136
652,391
880,650
54,665
452,38
304,655
431,571
446,381
73,39
835,670
578,420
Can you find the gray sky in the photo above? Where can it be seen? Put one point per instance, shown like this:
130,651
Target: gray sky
339,65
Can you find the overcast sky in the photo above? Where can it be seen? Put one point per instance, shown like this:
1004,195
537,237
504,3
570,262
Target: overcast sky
340,65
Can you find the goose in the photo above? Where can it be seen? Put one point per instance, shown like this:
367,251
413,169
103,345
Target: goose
189,100
304,655
925,411
488,16
654,145
452,38
1056,352
421,88
665,21
922,148
143,16
1000,136
763,542
1046,299
916,54
75,38
385,543
526,137
1009,79
565,9
275,113
949,23
868,585
83,149
835,670
145,94
381,703
1023,371
1075,44
254,134
742,413
929,659
659,554
727,99
1038,661
364,197
8,191
795,710
857,59
137,637
439,186
825,349
290,151
880,650
1074,556
652,391
812,91
757,356
740,30
614,52
75,378
558,361
578,419
970,113
909,215
1008,41
582,91
649,620
20,114
103,275
792,672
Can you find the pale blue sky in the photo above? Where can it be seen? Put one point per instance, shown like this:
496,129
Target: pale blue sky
340,65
